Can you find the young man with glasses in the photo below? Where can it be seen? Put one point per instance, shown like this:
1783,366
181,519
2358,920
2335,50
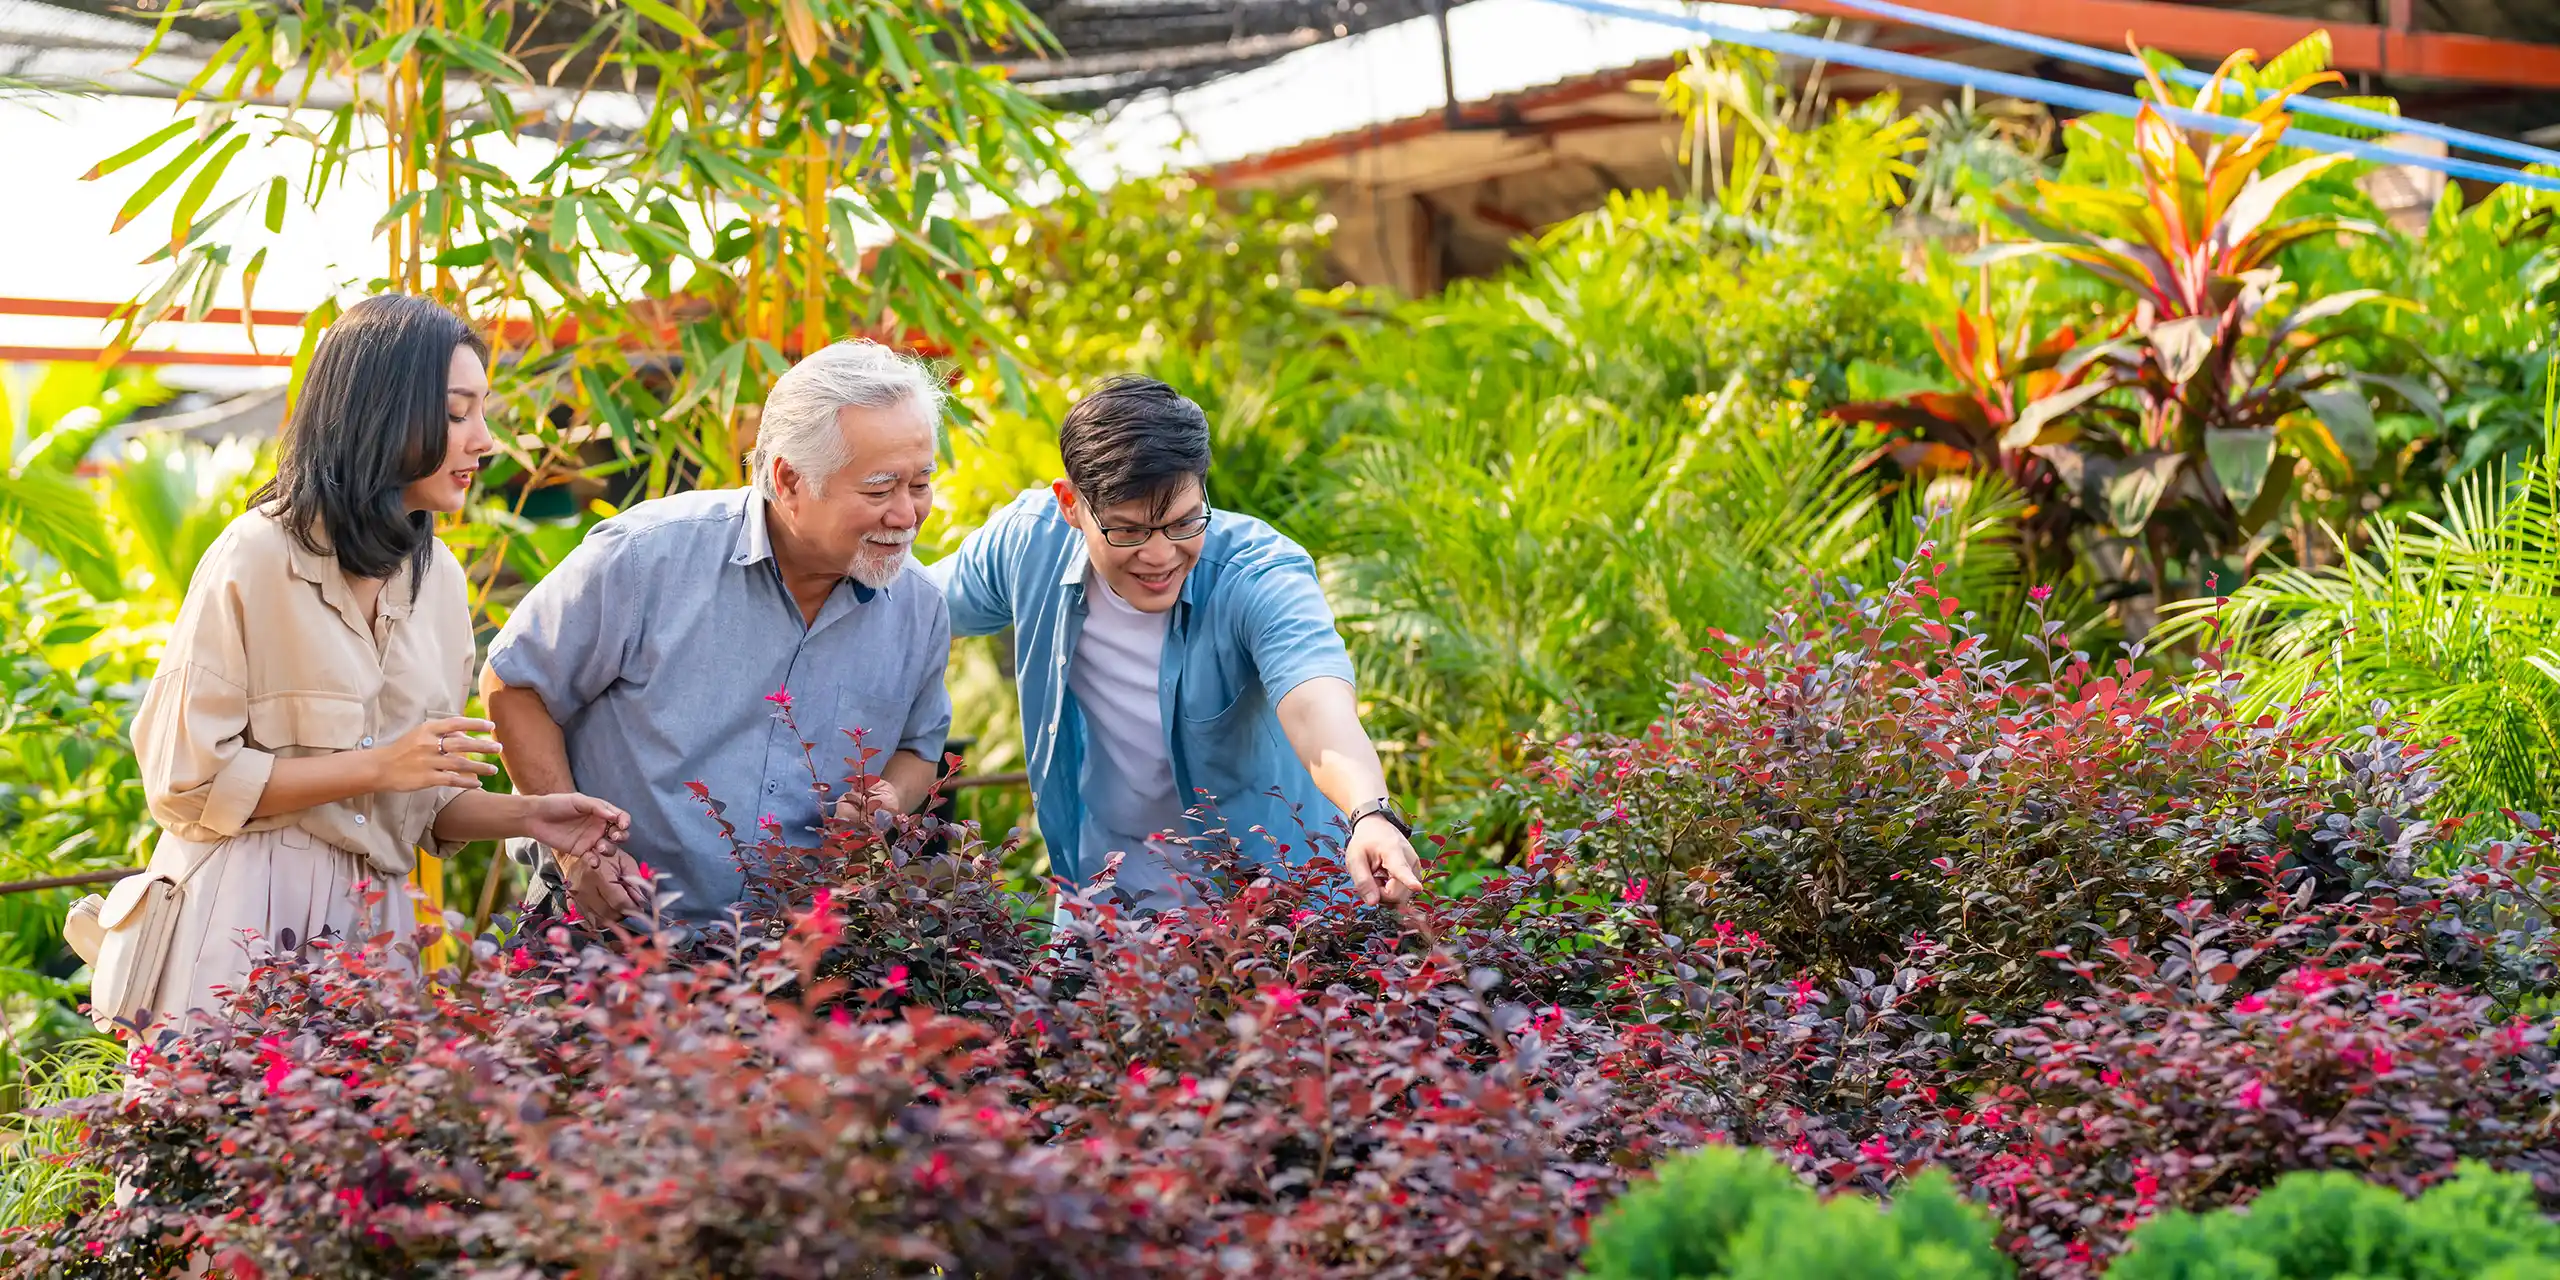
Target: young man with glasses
1178,667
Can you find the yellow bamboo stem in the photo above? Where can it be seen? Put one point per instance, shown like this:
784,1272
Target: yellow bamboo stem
813,231
750,297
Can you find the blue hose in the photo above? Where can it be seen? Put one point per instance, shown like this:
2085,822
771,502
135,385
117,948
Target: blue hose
2074,97
2132,66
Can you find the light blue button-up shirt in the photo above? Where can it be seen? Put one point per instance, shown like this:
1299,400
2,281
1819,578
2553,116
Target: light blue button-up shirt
656,644
1251,625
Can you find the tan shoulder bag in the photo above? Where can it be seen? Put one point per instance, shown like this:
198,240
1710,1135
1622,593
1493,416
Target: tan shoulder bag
135,923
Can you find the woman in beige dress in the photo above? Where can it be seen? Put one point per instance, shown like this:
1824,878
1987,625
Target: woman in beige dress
304,734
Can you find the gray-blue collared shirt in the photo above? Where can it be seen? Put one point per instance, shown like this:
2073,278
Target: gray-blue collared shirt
657,645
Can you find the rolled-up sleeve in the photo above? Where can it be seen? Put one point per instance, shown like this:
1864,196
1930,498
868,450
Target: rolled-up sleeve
974,579
1288,628
570,637
200,776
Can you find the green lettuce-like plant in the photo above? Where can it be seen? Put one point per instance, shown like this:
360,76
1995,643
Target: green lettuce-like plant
1736,1212
2481,1225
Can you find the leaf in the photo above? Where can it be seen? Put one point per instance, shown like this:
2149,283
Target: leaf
201,190
2183,345
2239,460
2029,428
886,42
2135,492
2322,308
61,517
467,255
564,224
667,16
136,151
2258,199
2350,422
2410,390
159,181
274,218
2271,495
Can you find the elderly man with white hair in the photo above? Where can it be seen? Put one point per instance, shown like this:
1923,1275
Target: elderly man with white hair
660,652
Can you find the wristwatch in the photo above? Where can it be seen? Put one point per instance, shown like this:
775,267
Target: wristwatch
1382,807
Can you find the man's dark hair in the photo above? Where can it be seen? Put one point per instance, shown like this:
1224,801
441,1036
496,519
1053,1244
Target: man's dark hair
370,420
1132,439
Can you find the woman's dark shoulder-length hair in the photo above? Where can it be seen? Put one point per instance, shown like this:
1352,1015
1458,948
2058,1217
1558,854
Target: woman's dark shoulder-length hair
370,420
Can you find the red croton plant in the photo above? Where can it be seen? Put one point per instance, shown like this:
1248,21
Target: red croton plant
895,1069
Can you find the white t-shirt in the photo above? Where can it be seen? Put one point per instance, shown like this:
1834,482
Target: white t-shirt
1128,775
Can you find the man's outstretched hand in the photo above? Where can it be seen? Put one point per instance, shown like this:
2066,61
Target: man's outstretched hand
1381,864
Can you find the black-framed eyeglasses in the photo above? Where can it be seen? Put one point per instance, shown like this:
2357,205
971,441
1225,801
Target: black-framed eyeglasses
1136,535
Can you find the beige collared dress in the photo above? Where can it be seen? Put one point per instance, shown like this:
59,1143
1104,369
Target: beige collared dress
273,658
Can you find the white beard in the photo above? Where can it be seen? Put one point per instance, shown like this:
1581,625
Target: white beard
878,574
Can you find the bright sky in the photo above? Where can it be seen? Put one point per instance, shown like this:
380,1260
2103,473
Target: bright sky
56,224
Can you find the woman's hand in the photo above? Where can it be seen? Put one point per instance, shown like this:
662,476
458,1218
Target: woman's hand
574,825
436,754
585,837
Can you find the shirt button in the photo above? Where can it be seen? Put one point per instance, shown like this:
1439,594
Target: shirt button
359,819
366,743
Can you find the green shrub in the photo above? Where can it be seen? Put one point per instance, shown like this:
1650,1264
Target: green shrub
2315,1226
1736,1212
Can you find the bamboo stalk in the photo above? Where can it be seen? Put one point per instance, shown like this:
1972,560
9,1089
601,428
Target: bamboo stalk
813,230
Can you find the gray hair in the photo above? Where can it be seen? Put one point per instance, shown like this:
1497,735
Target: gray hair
799,423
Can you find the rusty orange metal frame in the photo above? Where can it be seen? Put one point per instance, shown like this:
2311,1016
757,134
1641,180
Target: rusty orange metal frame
91,355
2197,31
663,316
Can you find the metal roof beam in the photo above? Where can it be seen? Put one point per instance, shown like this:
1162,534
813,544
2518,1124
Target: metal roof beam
2196,31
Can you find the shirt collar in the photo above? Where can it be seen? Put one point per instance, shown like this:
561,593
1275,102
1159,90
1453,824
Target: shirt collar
755,542
322,569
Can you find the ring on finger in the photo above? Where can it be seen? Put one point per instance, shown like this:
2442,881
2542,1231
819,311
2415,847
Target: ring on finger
440,741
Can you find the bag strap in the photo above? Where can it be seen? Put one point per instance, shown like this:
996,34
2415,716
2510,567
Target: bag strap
181,879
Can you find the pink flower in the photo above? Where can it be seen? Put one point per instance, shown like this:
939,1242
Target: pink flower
1301,916
1874,1149
1191,1086
780,698
897,977
2252,1096
1636,889
2382,1062
2250,1003
769,824
1284,999
2040,594
279,1067
519,960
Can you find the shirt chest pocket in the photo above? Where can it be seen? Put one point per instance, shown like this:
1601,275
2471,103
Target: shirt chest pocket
316,720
